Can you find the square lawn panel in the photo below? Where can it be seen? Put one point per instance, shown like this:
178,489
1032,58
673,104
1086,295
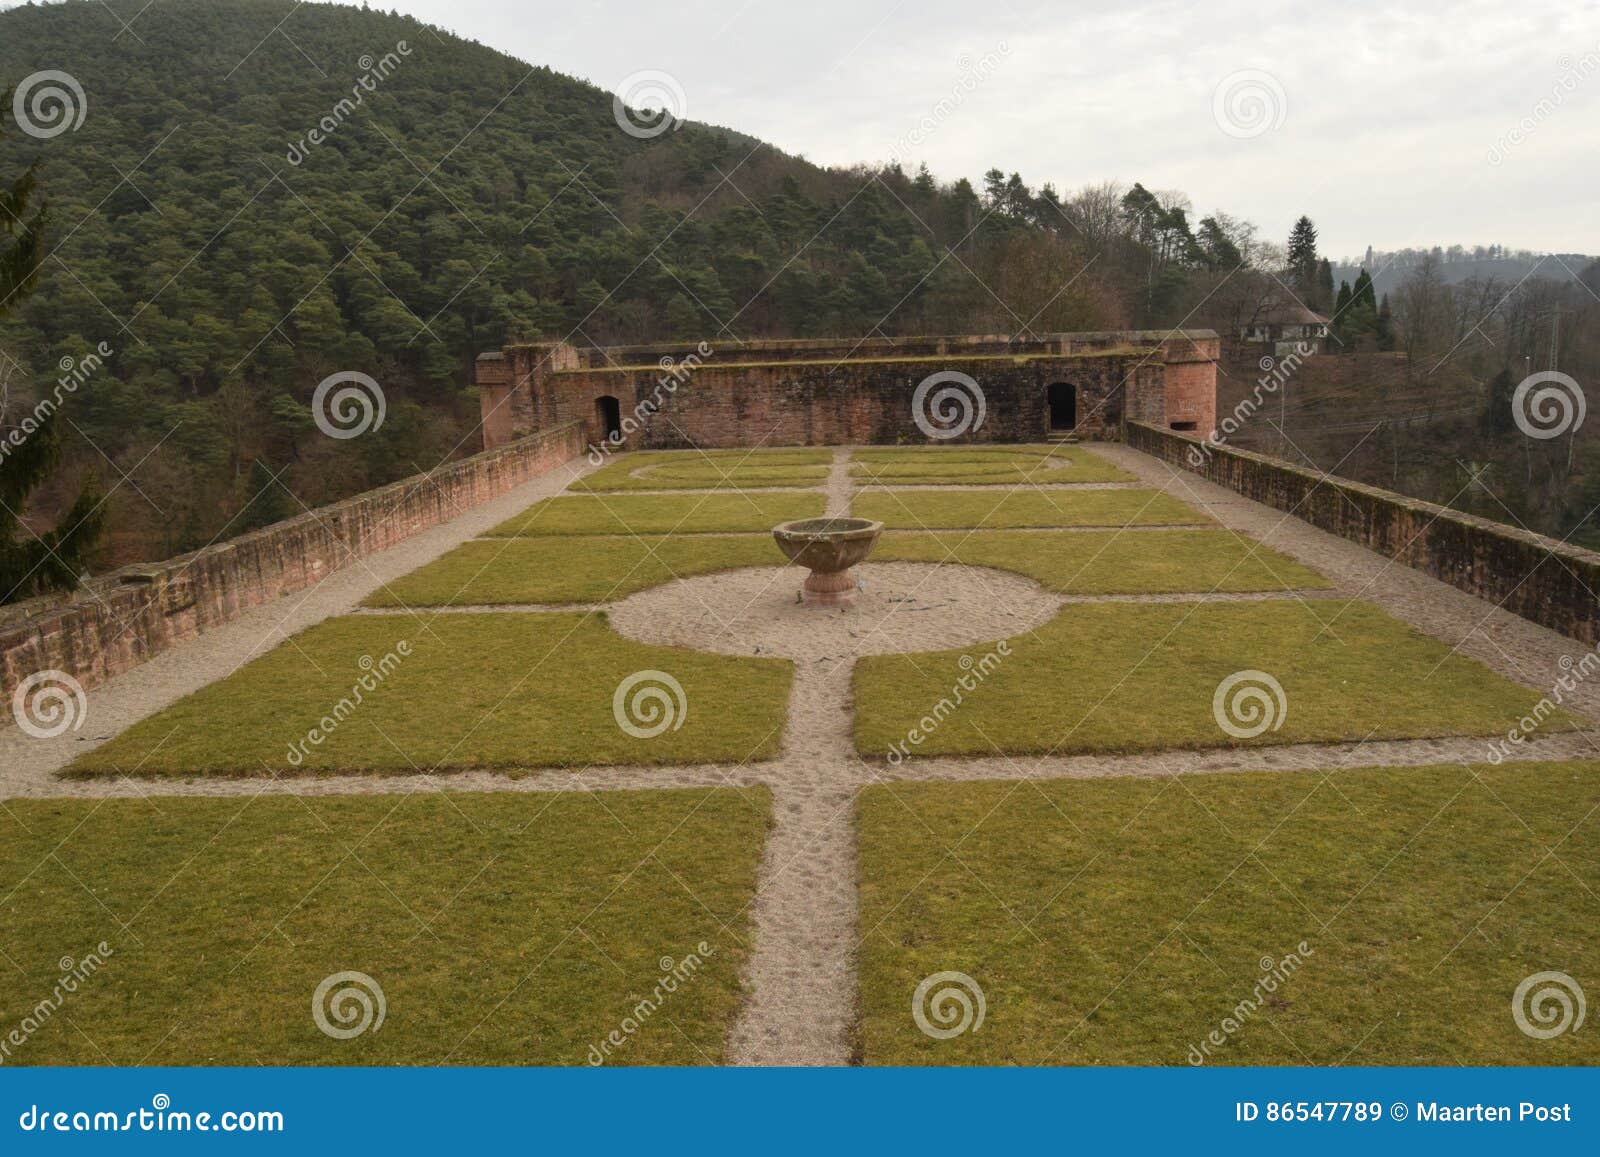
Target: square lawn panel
691,470
1005,466
1143,677
501,929
475,690
576,569
1103,562
942,509
1123,921
660,514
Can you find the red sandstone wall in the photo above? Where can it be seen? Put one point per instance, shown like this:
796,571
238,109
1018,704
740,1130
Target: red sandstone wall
854,402
121,619
1543,580
819,391
1192,395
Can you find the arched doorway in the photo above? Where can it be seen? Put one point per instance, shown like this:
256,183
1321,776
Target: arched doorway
1063,398
608,411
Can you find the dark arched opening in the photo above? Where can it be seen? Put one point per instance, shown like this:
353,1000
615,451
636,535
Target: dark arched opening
1063,399
609,412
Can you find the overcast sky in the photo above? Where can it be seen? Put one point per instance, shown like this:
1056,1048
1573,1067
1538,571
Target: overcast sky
1472,121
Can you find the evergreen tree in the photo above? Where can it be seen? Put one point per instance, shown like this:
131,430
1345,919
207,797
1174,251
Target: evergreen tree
32,563
1219,250
1365,292
264,501
1341,305
1303,256
994,190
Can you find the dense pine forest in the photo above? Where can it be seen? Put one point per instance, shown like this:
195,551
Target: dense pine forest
209,259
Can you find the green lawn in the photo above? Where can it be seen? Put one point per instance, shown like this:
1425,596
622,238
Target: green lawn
1104,562
660,514
477,690
579,569
941,509
502,929
1125,677
1120,922
693,470
968,452
1009,466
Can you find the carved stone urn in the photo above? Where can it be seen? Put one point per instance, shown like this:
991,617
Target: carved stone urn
828,548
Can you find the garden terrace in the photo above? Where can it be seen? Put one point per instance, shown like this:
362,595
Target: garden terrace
1096,734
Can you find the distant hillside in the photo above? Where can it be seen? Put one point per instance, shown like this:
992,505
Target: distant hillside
232,260
1457,264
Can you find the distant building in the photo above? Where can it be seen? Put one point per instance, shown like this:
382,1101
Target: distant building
1284,325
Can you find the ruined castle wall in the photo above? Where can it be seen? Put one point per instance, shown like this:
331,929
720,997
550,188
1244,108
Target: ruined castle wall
788,404
1528,574
121,619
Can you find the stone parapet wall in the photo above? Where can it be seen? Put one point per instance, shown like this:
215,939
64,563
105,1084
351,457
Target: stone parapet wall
1548,582
119,620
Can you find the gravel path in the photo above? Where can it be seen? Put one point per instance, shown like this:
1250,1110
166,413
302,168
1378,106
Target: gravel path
801,976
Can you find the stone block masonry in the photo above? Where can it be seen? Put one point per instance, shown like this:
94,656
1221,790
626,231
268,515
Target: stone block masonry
119,620
1548,582
828,391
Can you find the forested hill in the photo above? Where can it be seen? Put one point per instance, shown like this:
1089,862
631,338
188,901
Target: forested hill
231,262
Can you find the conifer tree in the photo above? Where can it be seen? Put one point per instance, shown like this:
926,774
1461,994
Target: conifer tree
1303,255
30,447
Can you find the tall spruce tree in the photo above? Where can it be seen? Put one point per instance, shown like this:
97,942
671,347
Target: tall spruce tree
1303,256
30,447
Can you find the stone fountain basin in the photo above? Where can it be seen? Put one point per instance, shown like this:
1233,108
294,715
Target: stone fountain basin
827,545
